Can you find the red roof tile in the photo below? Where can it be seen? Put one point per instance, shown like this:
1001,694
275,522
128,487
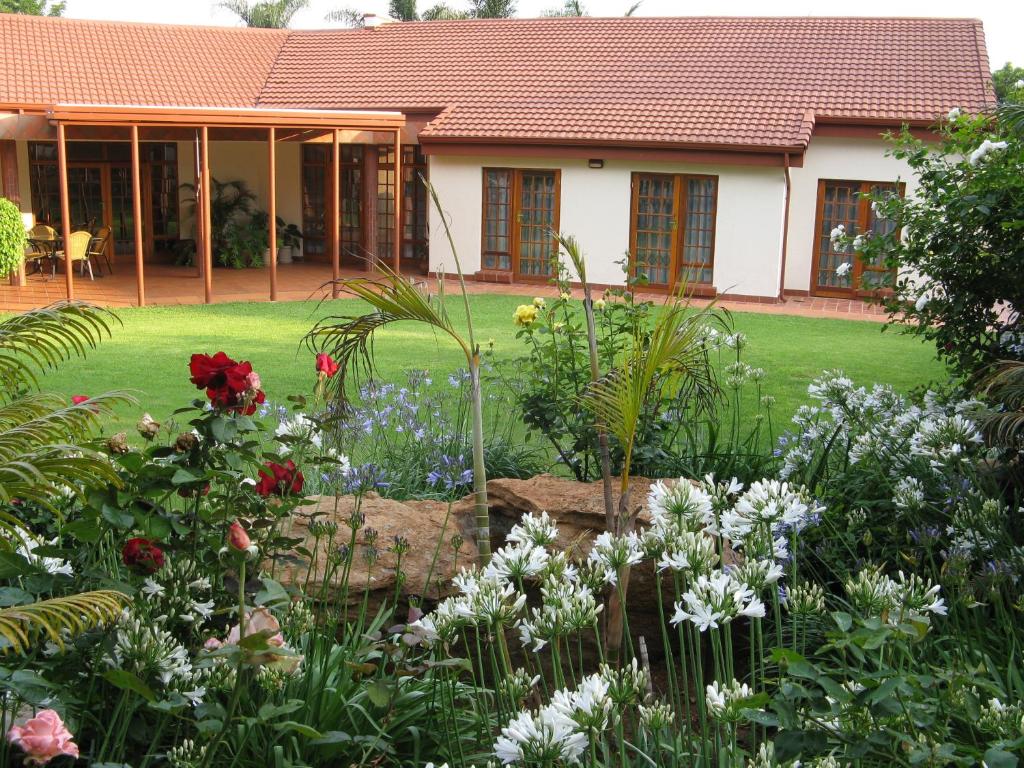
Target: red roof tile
732,82
46,61
701,80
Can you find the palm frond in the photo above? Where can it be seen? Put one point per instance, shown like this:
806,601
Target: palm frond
22,625
1004,384
349,338
673,357
42,339
39,459
1012,116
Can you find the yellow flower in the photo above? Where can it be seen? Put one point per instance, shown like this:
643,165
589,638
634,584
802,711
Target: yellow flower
565,296
538,302
599,305
558,326
525,314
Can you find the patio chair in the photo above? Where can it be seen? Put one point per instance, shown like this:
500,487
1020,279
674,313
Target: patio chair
78,250
42,242
100,248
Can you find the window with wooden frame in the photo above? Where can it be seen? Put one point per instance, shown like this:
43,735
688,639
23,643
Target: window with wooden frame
672,228
848,203
317,162
520,211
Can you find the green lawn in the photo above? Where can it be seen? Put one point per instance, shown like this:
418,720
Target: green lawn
150,352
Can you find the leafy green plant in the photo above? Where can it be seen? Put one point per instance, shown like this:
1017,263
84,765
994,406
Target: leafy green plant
237,241
956,245
12,237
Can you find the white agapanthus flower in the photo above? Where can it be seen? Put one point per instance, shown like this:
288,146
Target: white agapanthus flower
540,737
845,267
517,562
26,543
954,113
300,427
836,236
615,552
538,530
567,607
908,494
986,148
726,701
716,600
151,588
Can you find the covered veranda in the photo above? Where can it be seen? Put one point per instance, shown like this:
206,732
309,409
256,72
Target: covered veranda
142,279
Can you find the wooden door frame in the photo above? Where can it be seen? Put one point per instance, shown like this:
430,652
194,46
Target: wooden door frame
680,200
863,206
517,181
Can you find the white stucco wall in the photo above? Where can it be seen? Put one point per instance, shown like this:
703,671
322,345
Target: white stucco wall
839,159
595,208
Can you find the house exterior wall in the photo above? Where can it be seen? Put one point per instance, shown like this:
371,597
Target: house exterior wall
248,161
839,159
594,206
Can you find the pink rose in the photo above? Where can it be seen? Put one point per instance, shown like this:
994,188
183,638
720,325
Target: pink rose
261,621
43,738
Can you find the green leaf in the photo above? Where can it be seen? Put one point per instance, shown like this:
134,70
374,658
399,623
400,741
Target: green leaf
272,594
86,531
117,517
128,681
331,737
379,693
14,596
305,730
997,758
270,711
13,565
843,620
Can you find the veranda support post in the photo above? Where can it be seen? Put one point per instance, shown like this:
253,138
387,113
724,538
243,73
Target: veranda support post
140,280
65,210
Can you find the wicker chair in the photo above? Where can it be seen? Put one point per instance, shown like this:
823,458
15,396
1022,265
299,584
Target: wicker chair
42,240
78,249
99,248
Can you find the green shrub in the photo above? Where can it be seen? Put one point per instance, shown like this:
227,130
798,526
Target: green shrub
12,237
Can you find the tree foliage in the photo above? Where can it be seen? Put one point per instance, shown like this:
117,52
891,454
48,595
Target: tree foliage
267,14
957,247
33,7
1009,83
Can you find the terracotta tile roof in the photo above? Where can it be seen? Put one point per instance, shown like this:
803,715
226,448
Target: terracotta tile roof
46,61
730,82
711,81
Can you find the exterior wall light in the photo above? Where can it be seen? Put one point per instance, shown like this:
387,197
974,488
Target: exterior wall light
597,163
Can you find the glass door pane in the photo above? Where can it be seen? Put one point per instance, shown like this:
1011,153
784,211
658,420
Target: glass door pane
536,219
654,227
839,206
872,274
699,231
85,187
122,215
497,251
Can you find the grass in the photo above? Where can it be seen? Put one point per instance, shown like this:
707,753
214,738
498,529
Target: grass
150,352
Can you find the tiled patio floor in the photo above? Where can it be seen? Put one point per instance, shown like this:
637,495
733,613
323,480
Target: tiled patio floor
301,281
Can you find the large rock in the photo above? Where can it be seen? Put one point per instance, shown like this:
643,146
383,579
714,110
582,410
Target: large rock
421,523
577,508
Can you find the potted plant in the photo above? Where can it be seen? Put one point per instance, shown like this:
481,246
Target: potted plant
289,240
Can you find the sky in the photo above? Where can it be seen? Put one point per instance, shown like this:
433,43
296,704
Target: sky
1003,19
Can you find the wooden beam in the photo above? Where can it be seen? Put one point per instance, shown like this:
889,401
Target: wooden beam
197,176
65,210
335,217
207,224
272,210
140,279
396,255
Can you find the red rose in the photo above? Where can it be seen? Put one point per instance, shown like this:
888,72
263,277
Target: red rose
79,399
325,365
190,491
279,479
238,538
229,384
142,556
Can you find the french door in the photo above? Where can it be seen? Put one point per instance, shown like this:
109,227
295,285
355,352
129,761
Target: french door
839,271
672,231
520,215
